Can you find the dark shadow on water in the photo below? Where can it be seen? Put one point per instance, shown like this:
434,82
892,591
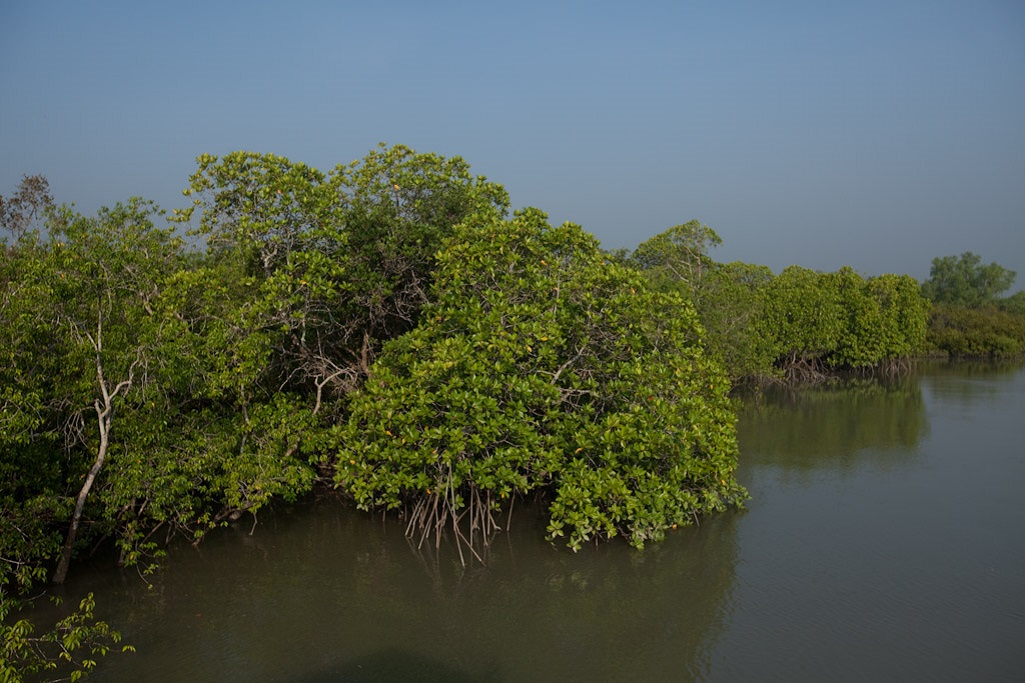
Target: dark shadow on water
392,665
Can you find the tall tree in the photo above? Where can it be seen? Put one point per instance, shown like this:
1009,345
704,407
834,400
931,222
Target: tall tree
965,281
679,255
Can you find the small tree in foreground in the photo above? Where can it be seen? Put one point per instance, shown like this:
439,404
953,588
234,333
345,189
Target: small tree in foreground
541,367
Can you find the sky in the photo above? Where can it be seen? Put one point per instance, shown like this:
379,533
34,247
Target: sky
877,135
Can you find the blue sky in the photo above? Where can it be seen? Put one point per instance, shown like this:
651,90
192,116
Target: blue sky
871,134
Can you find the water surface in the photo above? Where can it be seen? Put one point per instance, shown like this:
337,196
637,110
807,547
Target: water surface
883,541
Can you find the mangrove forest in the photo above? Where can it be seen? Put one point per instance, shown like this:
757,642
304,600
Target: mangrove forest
392,332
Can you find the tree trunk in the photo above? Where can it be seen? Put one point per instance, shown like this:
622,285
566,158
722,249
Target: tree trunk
103,416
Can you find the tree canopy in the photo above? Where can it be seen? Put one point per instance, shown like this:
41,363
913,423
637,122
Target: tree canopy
334,263
965,281
800,324
542,367
970,317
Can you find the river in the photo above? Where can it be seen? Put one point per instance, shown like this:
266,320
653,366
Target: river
884,541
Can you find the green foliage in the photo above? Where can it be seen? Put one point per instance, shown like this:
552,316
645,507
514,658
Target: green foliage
400,207
904,315
34,467
71,646
731,299
734,312
306,275
798,325
986,332
970,318
145,388
678,255
1013,304
843,321
542,367
80,334
805,316
885,319
964,281
334,264
29,542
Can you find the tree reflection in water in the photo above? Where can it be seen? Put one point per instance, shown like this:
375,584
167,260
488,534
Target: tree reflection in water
322,593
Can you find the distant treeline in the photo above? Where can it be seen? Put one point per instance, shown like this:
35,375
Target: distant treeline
799,325
805,325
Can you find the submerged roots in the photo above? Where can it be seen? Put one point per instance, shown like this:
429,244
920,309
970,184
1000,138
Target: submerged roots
816,370
472,522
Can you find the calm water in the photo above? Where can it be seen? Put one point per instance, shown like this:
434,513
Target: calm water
885,540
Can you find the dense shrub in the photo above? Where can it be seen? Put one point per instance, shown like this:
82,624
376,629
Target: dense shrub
542,367
968,332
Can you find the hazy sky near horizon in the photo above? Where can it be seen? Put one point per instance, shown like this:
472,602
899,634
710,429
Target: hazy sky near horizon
875,134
